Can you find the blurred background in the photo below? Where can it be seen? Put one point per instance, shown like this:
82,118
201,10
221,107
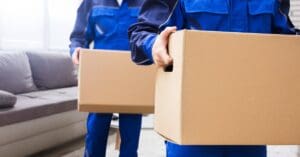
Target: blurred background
46,24
36,24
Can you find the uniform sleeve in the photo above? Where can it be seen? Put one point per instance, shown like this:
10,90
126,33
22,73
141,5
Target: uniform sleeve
83,33
155,15
282,23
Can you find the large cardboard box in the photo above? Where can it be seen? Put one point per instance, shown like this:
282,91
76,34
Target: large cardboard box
230,89
110,82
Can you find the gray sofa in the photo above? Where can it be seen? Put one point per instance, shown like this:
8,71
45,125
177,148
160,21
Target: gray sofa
39,97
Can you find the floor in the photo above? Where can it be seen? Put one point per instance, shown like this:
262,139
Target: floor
148,138
76,148
151,145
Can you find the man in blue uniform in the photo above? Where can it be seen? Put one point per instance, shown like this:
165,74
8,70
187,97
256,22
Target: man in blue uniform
159,18
105,22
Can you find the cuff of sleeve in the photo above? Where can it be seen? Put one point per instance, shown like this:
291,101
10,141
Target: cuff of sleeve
71,51
148,44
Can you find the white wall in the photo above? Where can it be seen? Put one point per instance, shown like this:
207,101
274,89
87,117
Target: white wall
47,24
295,12
22,24
62,14
36,24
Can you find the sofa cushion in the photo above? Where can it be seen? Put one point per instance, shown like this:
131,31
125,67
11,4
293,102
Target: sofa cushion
40,104
52,70
7,99
15,73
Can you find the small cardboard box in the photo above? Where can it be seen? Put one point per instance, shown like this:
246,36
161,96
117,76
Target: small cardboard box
109,82
230,89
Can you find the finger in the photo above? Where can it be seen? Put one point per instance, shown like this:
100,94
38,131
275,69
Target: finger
162,56
158,59
159,63
168,61
79,49
78,55
166,58
78,52
75,59
167,32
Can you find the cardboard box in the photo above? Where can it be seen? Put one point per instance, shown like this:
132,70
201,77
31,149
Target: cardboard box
109,82
230,89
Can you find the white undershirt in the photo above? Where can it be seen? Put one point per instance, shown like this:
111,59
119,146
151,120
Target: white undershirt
120,2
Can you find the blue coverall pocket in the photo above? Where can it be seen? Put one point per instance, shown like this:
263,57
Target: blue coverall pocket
208,6
261,13
257,7
209,14
104,21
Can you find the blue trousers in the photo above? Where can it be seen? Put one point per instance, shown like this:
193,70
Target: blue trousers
98,129
174,150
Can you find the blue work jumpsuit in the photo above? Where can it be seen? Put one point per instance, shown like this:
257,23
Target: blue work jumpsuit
257,16
105,23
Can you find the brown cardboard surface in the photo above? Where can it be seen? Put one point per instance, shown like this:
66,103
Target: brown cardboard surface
230,89
110,82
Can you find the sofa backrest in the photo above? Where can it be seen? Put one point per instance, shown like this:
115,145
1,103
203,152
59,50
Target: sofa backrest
15,72
23,72
51,70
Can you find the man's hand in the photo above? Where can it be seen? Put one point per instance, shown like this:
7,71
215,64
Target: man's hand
75,55
159,50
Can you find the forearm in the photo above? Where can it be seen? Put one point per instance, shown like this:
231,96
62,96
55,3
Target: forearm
82,33
77,43
141,42
143,34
